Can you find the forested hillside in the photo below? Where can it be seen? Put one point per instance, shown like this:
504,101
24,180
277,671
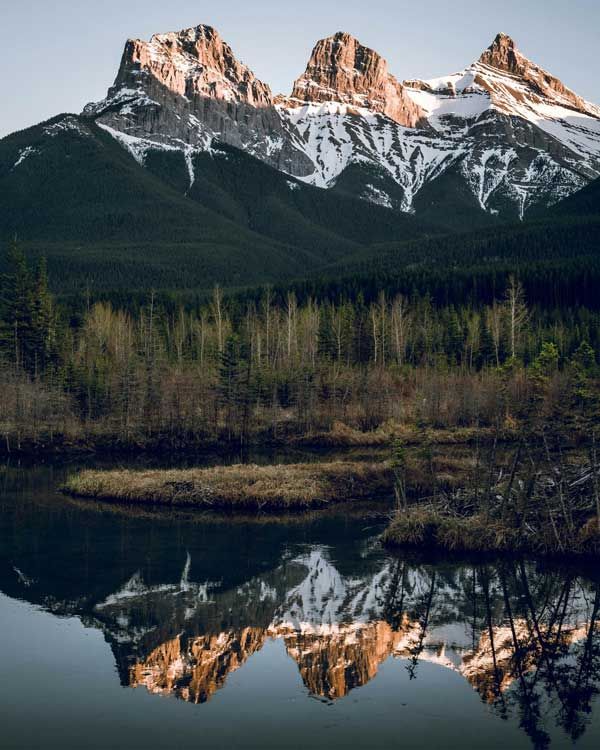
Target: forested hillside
109,227
558,261
70,193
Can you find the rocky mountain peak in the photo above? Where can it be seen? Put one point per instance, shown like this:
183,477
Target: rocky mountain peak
503,55
341,69
192,62
503,126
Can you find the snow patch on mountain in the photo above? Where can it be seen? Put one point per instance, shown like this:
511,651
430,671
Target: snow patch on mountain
489,172
438,106
479,89
139,148
24,154
377,196
125,99
66,124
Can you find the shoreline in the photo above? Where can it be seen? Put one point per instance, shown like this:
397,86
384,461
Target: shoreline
340,437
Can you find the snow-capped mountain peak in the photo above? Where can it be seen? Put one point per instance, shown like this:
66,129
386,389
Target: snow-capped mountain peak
503,130
503,55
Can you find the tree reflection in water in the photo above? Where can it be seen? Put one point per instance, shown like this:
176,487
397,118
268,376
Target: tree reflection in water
536,642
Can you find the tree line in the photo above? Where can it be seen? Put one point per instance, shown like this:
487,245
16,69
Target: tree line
273,366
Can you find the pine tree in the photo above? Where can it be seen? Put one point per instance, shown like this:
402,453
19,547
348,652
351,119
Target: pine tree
235,386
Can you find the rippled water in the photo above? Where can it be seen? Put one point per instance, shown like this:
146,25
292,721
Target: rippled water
144,630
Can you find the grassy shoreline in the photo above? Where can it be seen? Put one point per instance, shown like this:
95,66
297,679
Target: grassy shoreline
426,529
277,487
280,487
525,501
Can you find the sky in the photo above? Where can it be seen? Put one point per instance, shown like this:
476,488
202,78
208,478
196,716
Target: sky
57,56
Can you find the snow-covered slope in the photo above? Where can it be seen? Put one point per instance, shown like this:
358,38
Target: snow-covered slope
333,136
526,141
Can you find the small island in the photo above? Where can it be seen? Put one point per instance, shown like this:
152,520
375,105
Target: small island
282,487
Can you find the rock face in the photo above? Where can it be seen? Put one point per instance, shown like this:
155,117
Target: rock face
503,131
332,664
196,669
341,69
185,89
193,62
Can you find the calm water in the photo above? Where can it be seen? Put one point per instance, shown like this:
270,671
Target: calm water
123,630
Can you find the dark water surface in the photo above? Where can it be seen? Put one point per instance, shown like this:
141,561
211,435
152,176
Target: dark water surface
144,630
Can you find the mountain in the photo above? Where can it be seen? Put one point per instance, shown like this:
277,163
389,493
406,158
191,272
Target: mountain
342,70
530,140
105,222
185,90
503,133
191,171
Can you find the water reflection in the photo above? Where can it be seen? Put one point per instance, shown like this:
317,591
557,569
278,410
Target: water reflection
185,605
527,641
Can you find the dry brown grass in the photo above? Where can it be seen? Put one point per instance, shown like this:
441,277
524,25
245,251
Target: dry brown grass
279,487
342,435
426,527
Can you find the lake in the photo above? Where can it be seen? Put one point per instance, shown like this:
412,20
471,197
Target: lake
146,629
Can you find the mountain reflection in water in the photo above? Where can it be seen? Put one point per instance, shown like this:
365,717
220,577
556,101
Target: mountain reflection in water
183,605
519,637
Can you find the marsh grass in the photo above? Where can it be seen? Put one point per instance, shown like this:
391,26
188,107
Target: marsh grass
341,435
281,487
430,528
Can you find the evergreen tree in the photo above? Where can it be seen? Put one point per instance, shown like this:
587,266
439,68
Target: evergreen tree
17,308
235,387
27,317
583,382
43,321
486,351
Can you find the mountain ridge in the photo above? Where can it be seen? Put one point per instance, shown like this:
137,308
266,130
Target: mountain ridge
509,132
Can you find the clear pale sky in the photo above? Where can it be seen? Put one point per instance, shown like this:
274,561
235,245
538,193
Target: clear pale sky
57,55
